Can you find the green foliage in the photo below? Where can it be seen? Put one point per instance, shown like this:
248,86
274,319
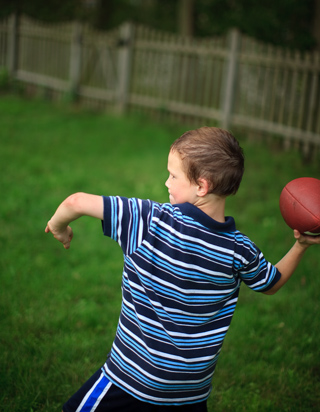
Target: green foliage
286,23
59,309
50,10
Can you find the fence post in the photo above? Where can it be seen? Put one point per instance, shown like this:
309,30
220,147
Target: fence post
12,53
125,45
229,84
75,58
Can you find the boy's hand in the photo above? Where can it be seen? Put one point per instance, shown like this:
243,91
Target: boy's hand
306,240
64,236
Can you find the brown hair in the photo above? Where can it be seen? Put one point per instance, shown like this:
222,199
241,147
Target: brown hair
212,154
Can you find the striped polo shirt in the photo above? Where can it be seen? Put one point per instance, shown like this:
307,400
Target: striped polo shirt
180,285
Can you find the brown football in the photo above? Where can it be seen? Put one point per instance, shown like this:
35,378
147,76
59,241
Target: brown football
300,205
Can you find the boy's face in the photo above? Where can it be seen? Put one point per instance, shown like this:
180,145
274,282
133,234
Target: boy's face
181,190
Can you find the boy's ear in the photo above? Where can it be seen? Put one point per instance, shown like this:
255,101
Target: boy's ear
203,187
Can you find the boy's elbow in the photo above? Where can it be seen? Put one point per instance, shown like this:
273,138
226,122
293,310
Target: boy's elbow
271,291
74,202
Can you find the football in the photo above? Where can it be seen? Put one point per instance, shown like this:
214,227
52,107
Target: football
300,205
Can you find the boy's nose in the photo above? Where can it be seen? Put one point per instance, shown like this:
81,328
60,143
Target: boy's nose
167,183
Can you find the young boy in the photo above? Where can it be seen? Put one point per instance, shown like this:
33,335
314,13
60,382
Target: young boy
183,266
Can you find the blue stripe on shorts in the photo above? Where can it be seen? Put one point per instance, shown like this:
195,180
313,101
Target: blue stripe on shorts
90,395
95,394
99,394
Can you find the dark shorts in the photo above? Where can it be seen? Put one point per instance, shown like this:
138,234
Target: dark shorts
98,394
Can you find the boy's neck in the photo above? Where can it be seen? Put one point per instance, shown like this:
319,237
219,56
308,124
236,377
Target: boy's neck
213,206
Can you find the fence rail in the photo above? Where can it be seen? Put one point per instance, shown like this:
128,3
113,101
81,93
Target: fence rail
230,80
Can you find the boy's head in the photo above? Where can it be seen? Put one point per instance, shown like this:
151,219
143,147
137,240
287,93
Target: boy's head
212,154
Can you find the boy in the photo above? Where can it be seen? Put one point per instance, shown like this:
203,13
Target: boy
183,266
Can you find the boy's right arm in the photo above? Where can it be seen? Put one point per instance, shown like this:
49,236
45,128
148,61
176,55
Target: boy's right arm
73,207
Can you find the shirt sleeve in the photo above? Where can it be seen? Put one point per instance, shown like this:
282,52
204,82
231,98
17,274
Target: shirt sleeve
255,271
126,221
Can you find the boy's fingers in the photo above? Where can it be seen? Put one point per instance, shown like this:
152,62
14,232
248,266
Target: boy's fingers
47,229
67,244
64,238
296,233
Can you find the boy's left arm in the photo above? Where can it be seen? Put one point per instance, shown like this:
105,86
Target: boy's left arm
288,264
73,207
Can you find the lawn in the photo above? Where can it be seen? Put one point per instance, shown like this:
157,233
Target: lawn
59,309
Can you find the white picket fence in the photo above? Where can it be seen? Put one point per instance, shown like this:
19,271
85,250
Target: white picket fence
232,81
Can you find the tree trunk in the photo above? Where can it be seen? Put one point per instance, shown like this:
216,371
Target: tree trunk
186,17
316,23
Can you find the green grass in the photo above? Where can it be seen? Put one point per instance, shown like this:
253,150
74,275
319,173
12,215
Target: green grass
59,309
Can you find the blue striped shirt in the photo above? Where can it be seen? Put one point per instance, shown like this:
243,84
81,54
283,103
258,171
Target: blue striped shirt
180,285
